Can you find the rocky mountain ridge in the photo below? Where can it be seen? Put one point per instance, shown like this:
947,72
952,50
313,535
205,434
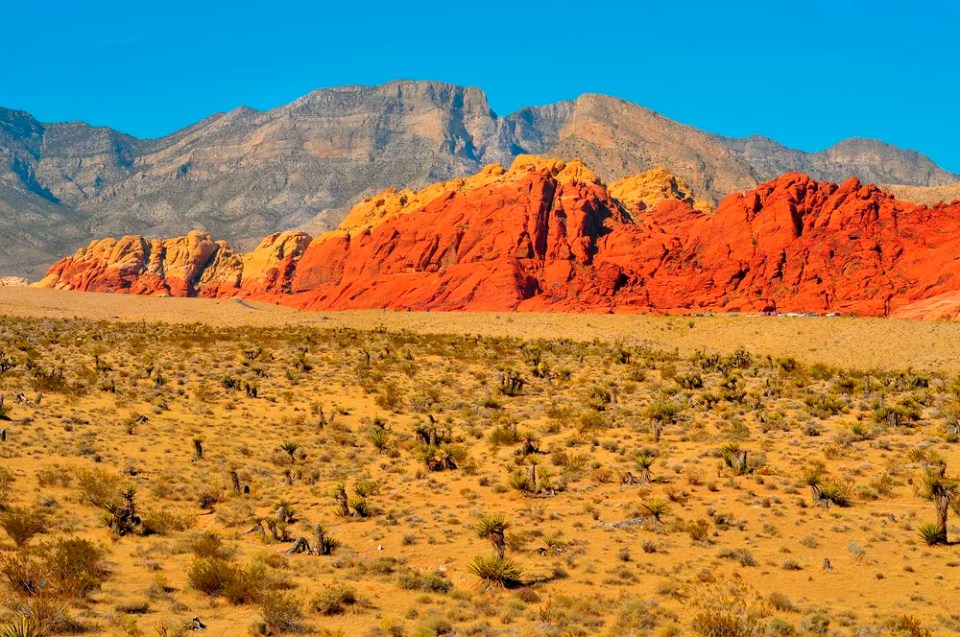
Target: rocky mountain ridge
247,173
549,235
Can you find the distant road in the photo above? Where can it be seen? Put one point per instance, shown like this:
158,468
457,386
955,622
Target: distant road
243,303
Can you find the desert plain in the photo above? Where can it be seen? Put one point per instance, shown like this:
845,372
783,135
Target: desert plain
268,471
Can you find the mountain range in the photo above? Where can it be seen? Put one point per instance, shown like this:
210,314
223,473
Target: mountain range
247,173
549,235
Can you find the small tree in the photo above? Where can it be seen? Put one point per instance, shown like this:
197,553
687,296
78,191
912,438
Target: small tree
660,414
326,545
942,491
644,464
290,447
343,502
493,529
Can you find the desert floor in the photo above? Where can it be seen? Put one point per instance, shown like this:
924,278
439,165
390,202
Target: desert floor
789,462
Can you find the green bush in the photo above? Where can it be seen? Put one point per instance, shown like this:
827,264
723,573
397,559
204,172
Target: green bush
496,572
933,534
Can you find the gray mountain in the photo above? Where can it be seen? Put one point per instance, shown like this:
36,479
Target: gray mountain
246,173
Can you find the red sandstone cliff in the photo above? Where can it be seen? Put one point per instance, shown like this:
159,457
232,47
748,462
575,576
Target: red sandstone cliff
550,236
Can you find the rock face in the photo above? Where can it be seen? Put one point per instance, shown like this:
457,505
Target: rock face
244,174
549,235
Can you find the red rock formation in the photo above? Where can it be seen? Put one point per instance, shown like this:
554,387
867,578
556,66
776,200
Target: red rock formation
549,236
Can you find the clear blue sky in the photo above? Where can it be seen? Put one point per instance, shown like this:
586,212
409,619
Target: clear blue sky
807,73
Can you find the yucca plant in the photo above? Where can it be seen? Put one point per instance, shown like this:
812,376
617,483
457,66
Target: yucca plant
378,438
340,495
644,464
660,414
813,477
735,458
521,482
326,545
21,628
360,507
496,572
834,492
656,508
942,491
290,447
933,534
493,528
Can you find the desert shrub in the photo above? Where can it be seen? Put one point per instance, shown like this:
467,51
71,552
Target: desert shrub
780,628
637,617
76,566
728,611
504,435
908,626
780,602
70,568
699,530
54,476
430,583
98,487
281,613
164,522
21,628
823,405
743,556
22,523
334,600
496,572
209,545
815,624
435,626
390,397
6,483
218,577
247,585
211,575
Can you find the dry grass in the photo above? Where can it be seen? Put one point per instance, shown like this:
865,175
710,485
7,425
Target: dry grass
402,445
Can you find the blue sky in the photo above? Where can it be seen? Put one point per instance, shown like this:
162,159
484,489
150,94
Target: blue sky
805,73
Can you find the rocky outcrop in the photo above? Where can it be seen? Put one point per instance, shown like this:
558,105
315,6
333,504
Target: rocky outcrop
549,235
245,174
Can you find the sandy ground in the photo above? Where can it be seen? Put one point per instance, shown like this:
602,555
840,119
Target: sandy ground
862,343
584,576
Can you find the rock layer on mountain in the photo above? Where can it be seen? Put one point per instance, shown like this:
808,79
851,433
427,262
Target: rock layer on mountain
549,235
244,174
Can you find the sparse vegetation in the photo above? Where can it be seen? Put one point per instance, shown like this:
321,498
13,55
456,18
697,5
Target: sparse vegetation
393,483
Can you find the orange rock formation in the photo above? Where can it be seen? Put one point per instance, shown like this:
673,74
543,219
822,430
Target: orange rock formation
547,235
